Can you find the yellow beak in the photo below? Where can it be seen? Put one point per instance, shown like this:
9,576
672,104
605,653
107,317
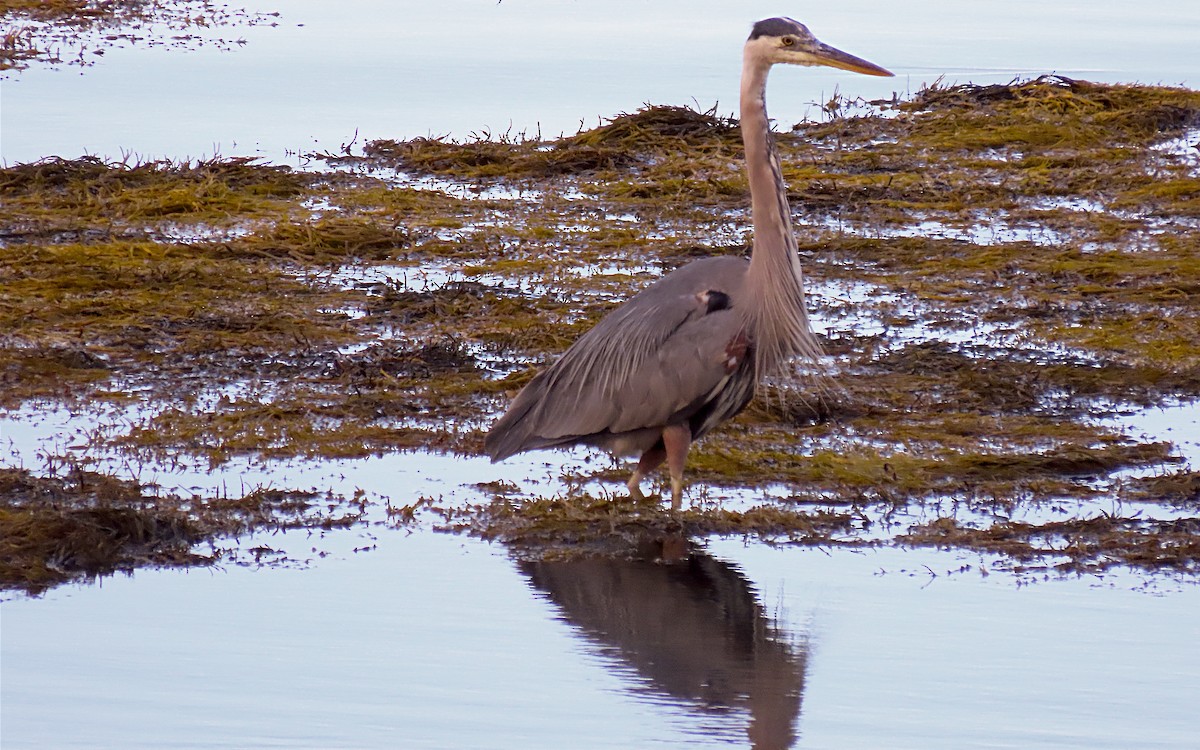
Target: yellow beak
835,58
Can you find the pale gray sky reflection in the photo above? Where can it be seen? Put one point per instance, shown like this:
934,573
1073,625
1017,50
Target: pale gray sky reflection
331,72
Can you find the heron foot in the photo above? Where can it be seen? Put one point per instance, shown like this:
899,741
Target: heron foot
649,462
676,441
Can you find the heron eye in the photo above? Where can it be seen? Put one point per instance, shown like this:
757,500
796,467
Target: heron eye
788,41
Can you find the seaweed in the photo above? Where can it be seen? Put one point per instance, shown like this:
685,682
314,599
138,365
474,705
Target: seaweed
72,523
996,269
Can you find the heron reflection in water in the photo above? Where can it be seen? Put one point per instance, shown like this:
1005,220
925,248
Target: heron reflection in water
692,629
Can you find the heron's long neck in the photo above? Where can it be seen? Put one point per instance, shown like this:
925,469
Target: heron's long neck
774,291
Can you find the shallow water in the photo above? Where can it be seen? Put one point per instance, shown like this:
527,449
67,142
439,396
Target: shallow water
439,641
382,637
401,68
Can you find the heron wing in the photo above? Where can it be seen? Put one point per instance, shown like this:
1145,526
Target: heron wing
688,371
649,362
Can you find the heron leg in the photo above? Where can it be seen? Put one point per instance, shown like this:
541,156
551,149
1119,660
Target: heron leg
677,438
650,461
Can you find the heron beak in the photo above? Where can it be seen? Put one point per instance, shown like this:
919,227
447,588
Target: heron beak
823,54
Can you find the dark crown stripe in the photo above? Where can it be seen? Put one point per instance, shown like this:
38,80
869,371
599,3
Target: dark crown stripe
774,27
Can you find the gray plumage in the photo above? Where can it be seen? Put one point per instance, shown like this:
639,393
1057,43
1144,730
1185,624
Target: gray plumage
654,360
687,352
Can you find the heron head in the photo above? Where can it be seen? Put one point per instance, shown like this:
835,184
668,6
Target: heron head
782,40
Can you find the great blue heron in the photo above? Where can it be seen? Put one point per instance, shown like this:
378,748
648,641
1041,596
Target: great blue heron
687,352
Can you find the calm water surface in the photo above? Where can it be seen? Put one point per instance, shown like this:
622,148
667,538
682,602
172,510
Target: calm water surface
433,641
402,68
438,641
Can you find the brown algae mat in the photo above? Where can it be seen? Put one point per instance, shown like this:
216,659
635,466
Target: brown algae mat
996,270
75,524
